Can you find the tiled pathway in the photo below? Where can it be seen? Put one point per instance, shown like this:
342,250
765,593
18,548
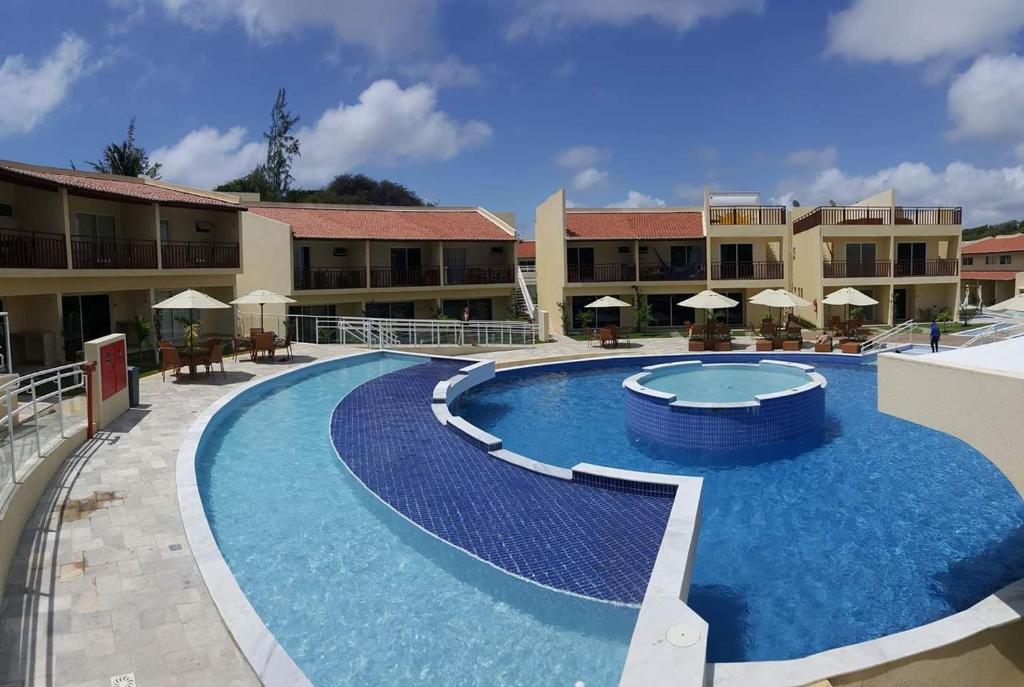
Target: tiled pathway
596,542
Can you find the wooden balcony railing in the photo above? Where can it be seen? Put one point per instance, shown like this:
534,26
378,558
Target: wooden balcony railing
843,270
330,278
106,253
602,272
769,269
198,254
939,216
763,215
670,273
383,277
479,274
926,268
843,214
32,250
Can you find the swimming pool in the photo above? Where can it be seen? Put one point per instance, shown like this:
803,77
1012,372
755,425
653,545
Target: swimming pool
355,593
865,527
724,382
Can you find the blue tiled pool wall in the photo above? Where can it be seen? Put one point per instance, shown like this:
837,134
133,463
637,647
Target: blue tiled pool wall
775,419
575,536
626,485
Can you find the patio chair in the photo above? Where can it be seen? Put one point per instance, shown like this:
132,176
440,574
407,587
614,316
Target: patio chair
769,334
214,356
794,337
723,338
590,334
263,343
285,343
698,333
169,360
835,324
607,335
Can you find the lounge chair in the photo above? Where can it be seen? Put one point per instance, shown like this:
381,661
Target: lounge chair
769,335
169,360
794,337
824,346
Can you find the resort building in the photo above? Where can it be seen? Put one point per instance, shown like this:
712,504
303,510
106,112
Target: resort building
526,261
82,254
906,258
996,265
661,255
382,262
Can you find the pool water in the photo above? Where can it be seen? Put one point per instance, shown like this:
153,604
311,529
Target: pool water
355,593
724,383
866,527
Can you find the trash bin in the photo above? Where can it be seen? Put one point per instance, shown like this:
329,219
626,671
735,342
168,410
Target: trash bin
133,386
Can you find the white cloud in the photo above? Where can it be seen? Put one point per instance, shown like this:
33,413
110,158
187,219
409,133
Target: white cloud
635,199
987,195
812,158
206,157
387,27
443,73
545,16
912,31
30,91
387,125
580,156
589,178
987,101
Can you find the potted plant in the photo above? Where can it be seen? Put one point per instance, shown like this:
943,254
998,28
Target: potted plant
143,329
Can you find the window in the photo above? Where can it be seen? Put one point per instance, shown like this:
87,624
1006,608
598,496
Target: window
6,210
643,250
968,259
665,312
734,315
990,259
497,250
397,310
479,308
94,226
1004,259
605,316
340,252
737,260
165,230
860,260
624,249
204,227
910,259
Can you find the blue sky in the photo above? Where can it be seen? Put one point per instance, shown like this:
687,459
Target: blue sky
501,103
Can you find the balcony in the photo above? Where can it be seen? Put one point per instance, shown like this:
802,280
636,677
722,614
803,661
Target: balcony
602,272
926,268
696,272
769,269
940,216
855,270
330,278
752,215
479,274
198,254
32,250
112,254
385,277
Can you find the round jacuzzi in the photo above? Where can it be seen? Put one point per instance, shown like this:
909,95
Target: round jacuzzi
726,405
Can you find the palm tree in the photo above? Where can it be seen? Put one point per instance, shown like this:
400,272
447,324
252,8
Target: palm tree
126,158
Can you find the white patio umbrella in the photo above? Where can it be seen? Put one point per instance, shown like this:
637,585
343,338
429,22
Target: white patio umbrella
708,300
190,300
607,302
1015,304
848,296
778,298
261,297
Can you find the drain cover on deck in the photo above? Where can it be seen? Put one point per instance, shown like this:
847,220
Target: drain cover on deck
682,635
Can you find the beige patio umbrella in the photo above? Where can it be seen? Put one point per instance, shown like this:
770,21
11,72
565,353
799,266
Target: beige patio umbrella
779,298
848,296
708,300
607,302
1015,304
190,300
261,297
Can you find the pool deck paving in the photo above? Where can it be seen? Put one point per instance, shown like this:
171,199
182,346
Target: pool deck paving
103,582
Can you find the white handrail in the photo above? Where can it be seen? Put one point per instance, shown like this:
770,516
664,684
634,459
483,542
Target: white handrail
890,336
997,331
525,292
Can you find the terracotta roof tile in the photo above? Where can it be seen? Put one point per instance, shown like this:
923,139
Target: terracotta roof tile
337,222
117,187
995,245
635,224
984,275
526,249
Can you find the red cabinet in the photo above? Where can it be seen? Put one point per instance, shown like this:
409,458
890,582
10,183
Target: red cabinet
113,369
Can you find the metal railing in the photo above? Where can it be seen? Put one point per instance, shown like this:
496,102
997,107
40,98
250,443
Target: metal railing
524,294
843,214
384,277
890,338
673,273
998,331
6,361
942,216
198,254
926,268
38,410
330,278
479,274
107,253
763,215
32,250
842,270
529,273
769,269
614,271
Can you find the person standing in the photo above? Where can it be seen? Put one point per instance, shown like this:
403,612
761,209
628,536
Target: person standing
935,334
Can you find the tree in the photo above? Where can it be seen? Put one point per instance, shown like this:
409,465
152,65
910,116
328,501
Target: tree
282,148
126,158
254,182
359,189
